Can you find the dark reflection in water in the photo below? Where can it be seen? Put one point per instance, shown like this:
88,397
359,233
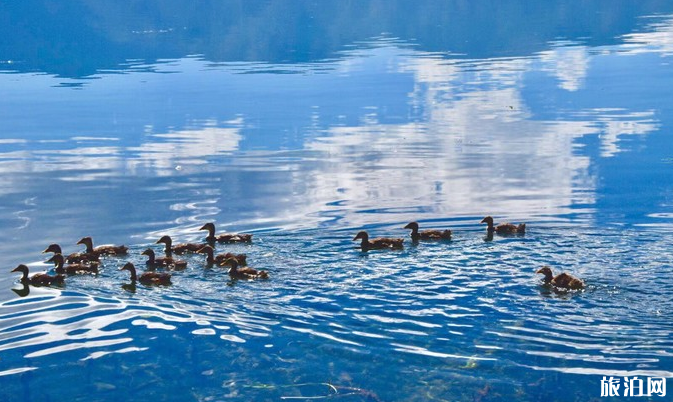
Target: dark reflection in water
305,122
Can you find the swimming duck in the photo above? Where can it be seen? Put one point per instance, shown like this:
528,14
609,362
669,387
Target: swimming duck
74,257
102,250
178,248
212,259
244,272
561,281
166,262
378,243
39,279
147,278
504,228
72,269
225,237
427,234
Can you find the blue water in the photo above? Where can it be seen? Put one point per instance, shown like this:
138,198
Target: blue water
303,123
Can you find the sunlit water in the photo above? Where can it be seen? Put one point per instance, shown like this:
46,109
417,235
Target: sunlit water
304,143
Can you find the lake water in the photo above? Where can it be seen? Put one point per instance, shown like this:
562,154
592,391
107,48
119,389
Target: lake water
303,123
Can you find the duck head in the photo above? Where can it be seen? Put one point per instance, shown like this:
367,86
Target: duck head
23,269
149,252
488,220
88,242
53,248
206,250
210,227
362,235
131,268
57,259
231,261
165,240
413,226
546,271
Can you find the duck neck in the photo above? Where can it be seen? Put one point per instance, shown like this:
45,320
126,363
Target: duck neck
210,258
89,246
151,259
134,276
548,277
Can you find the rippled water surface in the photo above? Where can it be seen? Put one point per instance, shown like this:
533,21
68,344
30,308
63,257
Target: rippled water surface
303,123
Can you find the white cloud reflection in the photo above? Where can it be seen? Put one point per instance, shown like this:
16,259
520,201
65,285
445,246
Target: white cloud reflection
477,144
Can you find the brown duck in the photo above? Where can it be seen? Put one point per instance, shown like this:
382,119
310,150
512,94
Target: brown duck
162,262
427,234
39,279
102,250
147,278
378,243
244,272
504,228
225,237
212,259
561,281
179,248
73,269
74,257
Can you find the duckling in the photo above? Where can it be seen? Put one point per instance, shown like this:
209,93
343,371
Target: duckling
504,228
561,281
225,237
147,278
166,262
378,243
74,257
179,248
72,269
212,259
427,234
102,250
39,279
244,272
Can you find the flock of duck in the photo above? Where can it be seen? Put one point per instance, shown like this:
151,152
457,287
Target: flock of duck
88,262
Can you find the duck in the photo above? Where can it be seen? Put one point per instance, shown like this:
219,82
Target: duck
102,250
378,243
212,259
166,262
244,272
427,234
147,278
225,237
179,248
504,228
74,257
72,269
561,281
39,279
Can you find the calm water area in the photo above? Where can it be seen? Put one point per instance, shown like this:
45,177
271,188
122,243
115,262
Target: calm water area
304,122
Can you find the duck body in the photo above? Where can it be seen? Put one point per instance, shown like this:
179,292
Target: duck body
378,243
244,272
74,257
163,262
561,281
220,259
180,248
147,278
102,250
73,269
504,228
430,234
39,279
225,237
